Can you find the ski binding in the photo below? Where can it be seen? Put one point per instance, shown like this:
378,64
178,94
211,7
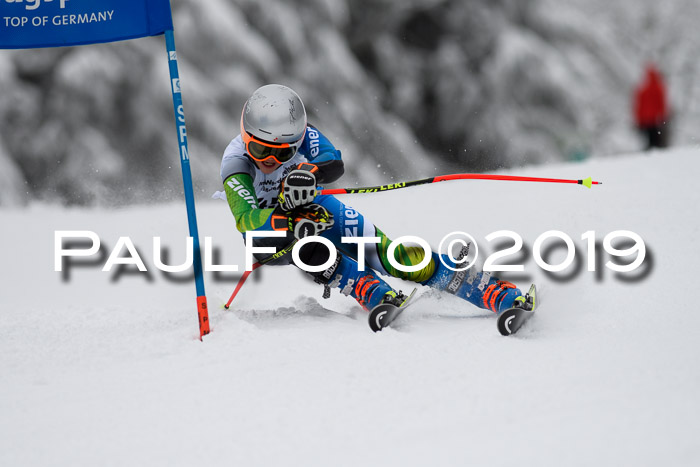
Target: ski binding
384,314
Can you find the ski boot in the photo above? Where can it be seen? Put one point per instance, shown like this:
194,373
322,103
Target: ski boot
476,287
367,287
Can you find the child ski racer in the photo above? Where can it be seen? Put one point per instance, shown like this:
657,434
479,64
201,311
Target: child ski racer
271,172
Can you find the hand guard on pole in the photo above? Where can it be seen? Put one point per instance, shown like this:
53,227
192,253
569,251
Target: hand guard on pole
298,188
306,221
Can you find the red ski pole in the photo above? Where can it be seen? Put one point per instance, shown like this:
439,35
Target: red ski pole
241,281
284,251
587,182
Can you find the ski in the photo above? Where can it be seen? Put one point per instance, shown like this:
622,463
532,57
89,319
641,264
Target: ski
512,319
384,314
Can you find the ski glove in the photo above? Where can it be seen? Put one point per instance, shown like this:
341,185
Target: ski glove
306,221
298,188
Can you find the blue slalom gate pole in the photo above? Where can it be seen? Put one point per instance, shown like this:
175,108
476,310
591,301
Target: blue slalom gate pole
109,21
202,309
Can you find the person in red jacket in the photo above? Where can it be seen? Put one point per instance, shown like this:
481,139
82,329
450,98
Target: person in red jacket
651,108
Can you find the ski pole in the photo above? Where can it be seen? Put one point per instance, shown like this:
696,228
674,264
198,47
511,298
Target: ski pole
587,182
284,251
241,281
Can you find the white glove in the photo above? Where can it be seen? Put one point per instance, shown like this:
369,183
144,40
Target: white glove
297,189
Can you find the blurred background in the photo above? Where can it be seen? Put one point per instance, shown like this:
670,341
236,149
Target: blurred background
404,89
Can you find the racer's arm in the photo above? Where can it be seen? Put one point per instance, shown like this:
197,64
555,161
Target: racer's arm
329,171
321,152
244,204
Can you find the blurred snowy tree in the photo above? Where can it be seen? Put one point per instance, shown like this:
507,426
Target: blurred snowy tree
419,87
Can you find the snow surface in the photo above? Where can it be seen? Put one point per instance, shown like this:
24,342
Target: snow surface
103,371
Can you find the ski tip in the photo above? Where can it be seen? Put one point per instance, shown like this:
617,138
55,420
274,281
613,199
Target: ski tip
409,297
533,293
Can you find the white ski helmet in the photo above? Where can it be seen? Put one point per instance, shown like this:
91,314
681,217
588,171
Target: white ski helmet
273,123
275,114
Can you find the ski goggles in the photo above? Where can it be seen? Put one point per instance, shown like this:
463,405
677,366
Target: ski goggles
262,150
